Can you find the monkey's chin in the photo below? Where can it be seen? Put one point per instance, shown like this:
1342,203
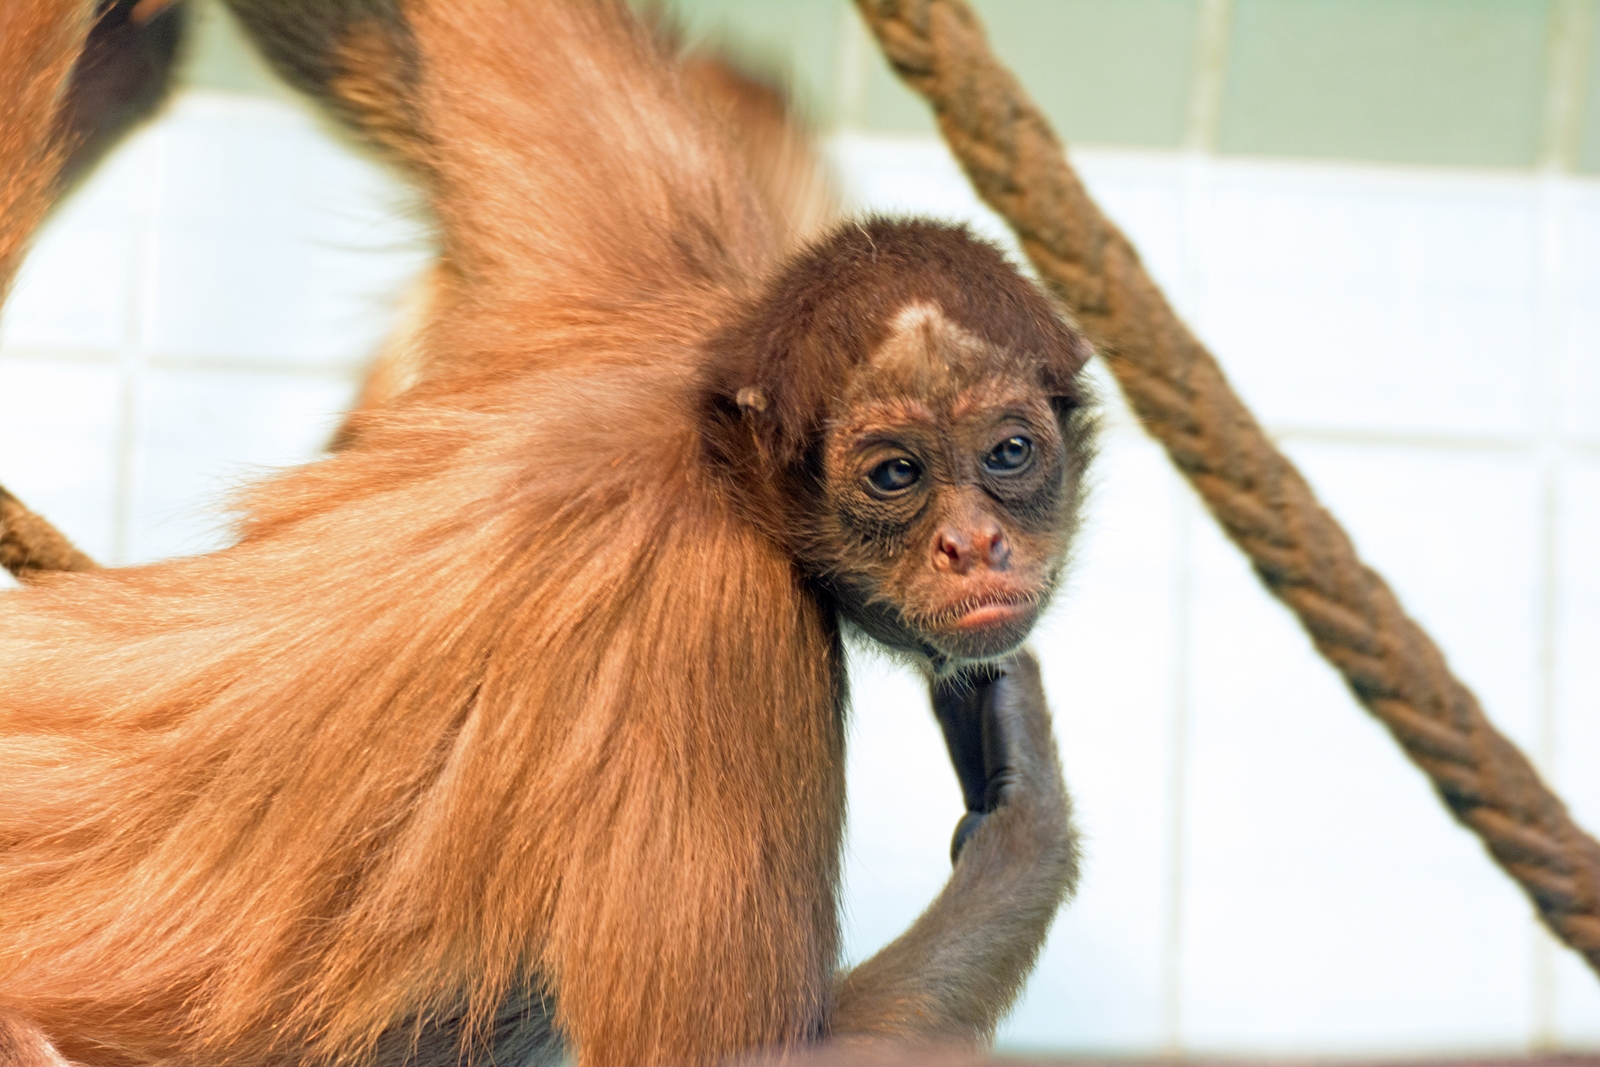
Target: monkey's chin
987,632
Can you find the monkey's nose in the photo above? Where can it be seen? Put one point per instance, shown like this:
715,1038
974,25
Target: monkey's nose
998,549
952,551
958,551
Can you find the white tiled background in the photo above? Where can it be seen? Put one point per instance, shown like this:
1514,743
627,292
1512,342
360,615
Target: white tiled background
1266,874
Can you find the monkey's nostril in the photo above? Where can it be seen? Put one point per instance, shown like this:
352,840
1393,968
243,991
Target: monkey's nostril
952,552
999,549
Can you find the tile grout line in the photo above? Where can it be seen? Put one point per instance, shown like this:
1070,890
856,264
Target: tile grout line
1208,76
130,356
1196,179
1550,291
1571,23
1172,1040
1418,441
851,83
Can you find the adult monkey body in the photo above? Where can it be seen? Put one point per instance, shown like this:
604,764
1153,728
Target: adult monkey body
523,714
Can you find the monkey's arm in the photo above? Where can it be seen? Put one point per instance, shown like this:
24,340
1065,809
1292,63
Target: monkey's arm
957,970
121,79
39,41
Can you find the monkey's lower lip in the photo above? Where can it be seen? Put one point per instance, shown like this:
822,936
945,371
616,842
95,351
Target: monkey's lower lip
985,616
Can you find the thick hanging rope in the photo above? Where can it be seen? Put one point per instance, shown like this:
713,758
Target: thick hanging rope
30,546
1182,398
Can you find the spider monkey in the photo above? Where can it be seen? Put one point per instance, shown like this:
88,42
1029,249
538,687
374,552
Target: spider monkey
515,728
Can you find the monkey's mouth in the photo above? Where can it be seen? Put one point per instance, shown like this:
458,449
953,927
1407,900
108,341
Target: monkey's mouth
989,614
989,624
996,607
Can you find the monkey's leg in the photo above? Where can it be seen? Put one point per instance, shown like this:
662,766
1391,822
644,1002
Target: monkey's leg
957,970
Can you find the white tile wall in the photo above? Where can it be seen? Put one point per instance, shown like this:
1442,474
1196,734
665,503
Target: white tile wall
910,175
1457,533
201,309
204,431
1374,301
1328,904
1266,874
1576,748
321,227
902,816
76,290
59,443
1328,901
1581,317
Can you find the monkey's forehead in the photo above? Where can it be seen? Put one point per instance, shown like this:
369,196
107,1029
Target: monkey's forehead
971,417
937,361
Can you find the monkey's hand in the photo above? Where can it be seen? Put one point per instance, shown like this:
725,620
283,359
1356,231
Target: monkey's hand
958,969
983,730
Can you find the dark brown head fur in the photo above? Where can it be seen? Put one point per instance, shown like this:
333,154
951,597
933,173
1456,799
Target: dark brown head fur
832,305
912,339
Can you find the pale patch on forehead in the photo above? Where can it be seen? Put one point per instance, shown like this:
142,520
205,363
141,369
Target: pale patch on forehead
925,354
918,314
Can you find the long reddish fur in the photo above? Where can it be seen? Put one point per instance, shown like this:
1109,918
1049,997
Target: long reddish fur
39,42
504,689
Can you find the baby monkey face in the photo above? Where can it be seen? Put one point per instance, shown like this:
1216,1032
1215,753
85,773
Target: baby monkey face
946,477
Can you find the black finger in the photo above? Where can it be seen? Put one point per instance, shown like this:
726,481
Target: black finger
958,704
964,829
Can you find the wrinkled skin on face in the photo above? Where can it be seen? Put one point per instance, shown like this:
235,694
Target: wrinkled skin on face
906,415
950,480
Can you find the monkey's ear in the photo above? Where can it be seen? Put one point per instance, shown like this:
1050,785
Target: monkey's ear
767,392
356,58
751,399
745,428
1064,362
766,421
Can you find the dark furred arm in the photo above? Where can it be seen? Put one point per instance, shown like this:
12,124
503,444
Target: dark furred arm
122,78
954,974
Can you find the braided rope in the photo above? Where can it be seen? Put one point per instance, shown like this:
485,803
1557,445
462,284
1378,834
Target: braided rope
1261,500
30,546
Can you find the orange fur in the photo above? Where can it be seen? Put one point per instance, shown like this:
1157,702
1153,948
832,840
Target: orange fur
780,161
233,822
39,42
507,710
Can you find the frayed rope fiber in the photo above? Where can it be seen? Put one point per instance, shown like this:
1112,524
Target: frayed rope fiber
1180,395
30,546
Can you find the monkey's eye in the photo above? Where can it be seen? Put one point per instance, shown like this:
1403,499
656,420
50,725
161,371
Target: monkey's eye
894,475
1009,455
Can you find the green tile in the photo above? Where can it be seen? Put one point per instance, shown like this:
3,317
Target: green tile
886,103
798,39
1457,82
1104,71
218,56
1589,144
